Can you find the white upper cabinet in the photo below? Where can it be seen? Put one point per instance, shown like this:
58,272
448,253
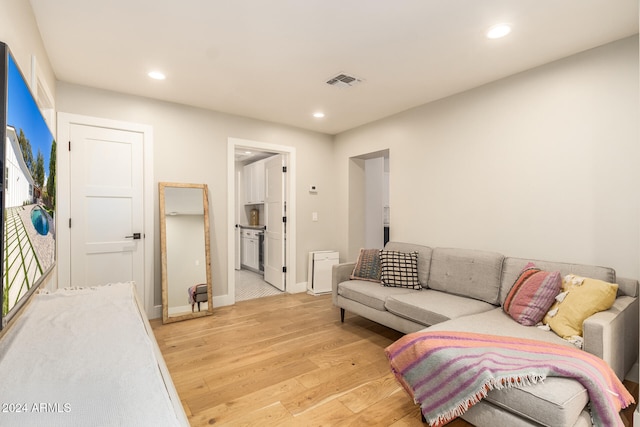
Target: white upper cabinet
254,183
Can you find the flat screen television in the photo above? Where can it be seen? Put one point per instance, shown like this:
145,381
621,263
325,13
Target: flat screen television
27,190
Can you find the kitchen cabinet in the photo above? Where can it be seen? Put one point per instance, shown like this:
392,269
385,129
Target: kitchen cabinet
250,253
253,175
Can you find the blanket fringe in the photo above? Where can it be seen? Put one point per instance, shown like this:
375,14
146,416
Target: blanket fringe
515,381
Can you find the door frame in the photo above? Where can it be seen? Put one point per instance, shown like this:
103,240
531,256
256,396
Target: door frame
63,208
290,191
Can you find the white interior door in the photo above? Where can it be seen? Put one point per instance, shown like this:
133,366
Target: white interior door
236,236
274,236
106,206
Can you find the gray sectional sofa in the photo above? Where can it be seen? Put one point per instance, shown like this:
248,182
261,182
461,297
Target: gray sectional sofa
463,290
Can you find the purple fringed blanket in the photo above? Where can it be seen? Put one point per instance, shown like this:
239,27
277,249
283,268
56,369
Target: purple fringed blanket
448,372
192,293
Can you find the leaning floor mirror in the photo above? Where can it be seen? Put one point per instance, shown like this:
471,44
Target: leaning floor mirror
184,244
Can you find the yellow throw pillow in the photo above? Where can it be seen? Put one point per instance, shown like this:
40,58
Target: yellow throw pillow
581,298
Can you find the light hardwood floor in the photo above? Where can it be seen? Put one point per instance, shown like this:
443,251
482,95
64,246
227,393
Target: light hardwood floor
287,360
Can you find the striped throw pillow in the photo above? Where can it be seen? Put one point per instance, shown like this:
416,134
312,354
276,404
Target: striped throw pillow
532,294
367,266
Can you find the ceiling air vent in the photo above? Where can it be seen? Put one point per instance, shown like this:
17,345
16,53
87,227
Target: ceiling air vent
343,80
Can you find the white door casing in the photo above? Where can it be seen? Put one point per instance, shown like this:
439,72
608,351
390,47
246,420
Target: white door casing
290,244
106,182
275,211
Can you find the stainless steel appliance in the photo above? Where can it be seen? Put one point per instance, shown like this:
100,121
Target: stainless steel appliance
261,250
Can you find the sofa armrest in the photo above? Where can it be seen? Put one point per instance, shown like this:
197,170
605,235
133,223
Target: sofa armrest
613,335
340,273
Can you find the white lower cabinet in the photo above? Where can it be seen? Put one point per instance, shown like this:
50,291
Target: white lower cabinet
250,255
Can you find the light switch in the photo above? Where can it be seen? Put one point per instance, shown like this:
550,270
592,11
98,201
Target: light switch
314,216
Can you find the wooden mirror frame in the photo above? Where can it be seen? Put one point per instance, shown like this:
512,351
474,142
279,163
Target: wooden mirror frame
163,249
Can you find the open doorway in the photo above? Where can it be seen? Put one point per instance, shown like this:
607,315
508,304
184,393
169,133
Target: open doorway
369,206
251,223
262,221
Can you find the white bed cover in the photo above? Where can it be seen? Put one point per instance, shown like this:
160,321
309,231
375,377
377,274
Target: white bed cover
84,357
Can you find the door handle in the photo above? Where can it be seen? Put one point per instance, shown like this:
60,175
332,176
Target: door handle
135,236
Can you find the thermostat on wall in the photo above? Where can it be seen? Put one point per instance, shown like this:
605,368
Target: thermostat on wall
313,189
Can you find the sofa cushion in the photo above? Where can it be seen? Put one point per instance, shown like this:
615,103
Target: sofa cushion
555,402
367,266
429,307
485,413
424,257
399,269
532,295
497,322
513,266
465,272
368,293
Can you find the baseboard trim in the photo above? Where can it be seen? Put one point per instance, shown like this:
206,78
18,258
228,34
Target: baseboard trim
224,300
632,375
156,312
297,288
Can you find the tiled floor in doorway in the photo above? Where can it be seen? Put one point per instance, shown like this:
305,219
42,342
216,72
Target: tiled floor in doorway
250,285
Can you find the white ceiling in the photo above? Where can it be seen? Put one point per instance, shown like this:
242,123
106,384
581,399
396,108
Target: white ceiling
270,60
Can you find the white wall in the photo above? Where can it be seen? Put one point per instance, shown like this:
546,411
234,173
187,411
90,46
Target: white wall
374,202
19,30
543,164
190,145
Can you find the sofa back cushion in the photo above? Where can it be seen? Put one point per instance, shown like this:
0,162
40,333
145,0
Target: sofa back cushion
424,257
467,272
513,266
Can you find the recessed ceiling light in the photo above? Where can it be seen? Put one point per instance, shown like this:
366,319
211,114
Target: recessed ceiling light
157,75
498,30
318,115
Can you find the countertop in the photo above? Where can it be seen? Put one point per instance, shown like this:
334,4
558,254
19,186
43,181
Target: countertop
253,227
